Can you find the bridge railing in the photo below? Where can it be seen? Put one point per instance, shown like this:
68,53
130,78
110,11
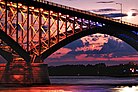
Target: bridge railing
85,12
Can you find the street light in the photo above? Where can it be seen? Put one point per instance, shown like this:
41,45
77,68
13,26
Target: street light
121,10
121,6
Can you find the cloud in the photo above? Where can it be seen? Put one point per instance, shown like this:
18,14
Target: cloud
108,12
105,2
124,58
114,15
134,14
61,52
92,42
105,48
105,10
136,10
85,57
118,49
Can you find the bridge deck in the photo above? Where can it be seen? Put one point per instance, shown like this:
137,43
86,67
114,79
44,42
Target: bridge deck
72,11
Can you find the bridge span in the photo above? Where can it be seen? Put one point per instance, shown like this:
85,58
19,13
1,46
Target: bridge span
31,30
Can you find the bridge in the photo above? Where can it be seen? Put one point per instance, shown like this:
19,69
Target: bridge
31,30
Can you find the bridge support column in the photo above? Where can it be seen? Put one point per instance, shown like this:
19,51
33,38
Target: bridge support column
40,73
23,73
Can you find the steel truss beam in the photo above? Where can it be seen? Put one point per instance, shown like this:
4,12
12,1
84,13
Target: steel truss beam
37,30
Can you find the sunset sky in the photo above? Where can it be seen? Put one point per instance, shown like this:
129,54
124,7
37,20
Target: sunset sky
98,47
128,7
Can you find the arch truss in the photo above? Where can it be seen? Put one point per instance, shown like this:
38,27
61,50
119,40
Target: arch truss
38,28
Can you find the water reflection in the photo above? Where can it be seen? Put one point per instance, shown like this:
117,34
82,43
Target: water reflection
126,89
73,88
35,89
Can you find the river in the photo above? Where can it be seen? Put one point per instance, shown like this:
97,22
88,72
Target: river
82,84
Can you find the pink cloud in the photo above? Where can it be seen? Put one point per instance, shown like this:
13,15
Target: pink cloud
89,47
90,43
61,52
85,57
125,58
95,42
92,58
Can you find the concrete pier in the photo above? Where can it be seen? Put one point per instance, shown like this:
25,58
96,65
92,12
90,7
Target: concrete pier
22,73
40,73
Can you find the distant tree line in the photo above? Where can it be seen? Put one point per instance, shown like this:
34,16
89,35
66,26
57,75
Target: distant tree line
100,69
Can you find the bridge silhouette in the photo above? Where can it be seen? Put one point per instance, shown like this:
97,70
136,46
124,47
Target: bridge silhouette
32,30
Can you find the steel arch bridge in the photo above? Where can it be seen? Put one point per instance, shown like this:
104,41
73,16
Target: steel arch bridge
35,29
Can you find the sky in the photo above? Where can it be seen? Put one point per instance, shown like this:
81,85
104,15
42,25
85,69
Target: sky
128,6
97,48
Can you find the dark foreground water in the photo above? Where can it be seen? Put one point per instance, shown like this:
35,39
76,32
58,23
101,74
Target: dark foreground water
81,84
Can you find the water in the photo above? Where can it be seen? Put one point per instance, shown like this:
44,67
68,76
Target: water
93,80
73,88
82,84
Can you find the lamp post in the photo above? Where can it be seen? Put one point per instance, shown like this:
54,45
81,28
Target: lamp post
121,6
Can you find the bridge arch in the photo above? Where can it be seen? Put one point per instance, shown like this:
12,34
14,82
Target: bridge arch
14,45
124,35
46,22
